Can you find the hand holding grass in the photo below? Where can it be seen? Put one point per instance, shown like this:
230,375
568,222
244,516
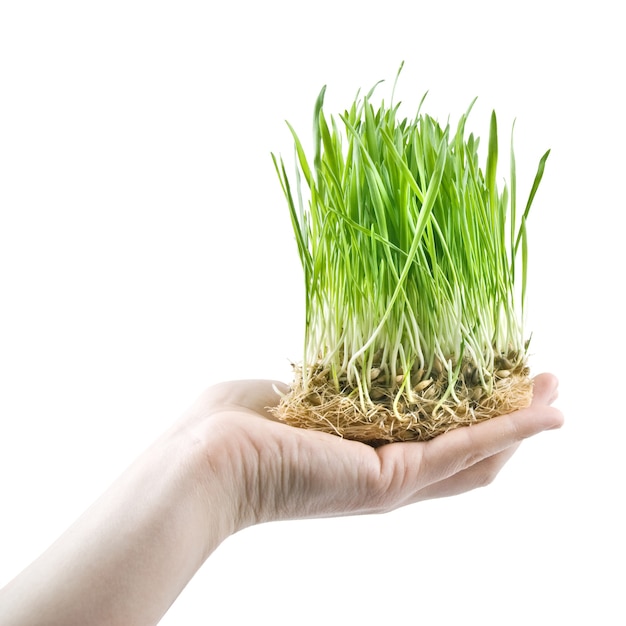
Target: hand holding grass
228,464
289,473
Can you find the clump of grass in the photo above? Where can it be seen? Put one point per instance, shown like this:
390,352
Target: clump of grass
415,269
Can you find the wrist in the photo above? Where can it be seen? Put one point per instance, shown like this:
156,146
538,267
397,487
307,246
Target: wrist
213,472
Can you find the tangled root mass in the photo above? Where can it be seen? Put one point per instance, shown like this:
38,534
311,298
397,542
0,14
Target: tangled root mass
417,411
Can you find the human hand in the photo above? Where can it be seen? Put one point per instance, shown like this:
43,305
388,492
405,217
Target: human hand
228,464
282,472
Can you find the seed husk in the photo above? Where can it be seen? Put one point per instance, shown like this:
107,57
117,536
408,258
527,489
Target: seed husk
423,385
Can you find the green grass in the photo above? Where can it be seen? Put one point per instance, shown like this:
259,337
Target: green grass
415,261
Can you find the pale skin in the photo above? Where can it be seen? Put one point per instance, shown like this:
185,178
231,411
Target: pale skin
224,466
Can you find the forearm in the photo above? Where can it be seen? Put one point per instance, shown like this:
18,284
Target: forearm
128,557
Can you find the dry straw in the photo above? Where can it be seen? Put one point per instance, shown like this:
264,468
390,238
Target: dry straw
415,269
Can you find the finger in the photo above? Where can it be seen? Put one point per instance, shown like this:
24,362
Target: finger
478,475
482,473
253,396
259,395
545,389
459,449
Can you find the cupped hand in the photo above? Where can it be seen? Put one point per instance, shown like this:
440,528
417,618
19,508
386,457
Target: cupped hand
282,472
226,465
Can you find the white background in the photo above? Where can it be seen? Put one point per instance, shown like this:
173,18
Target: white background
146,252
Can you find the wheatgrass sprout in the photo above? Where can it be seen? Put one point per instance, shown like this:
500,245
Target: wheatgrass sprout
415,269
